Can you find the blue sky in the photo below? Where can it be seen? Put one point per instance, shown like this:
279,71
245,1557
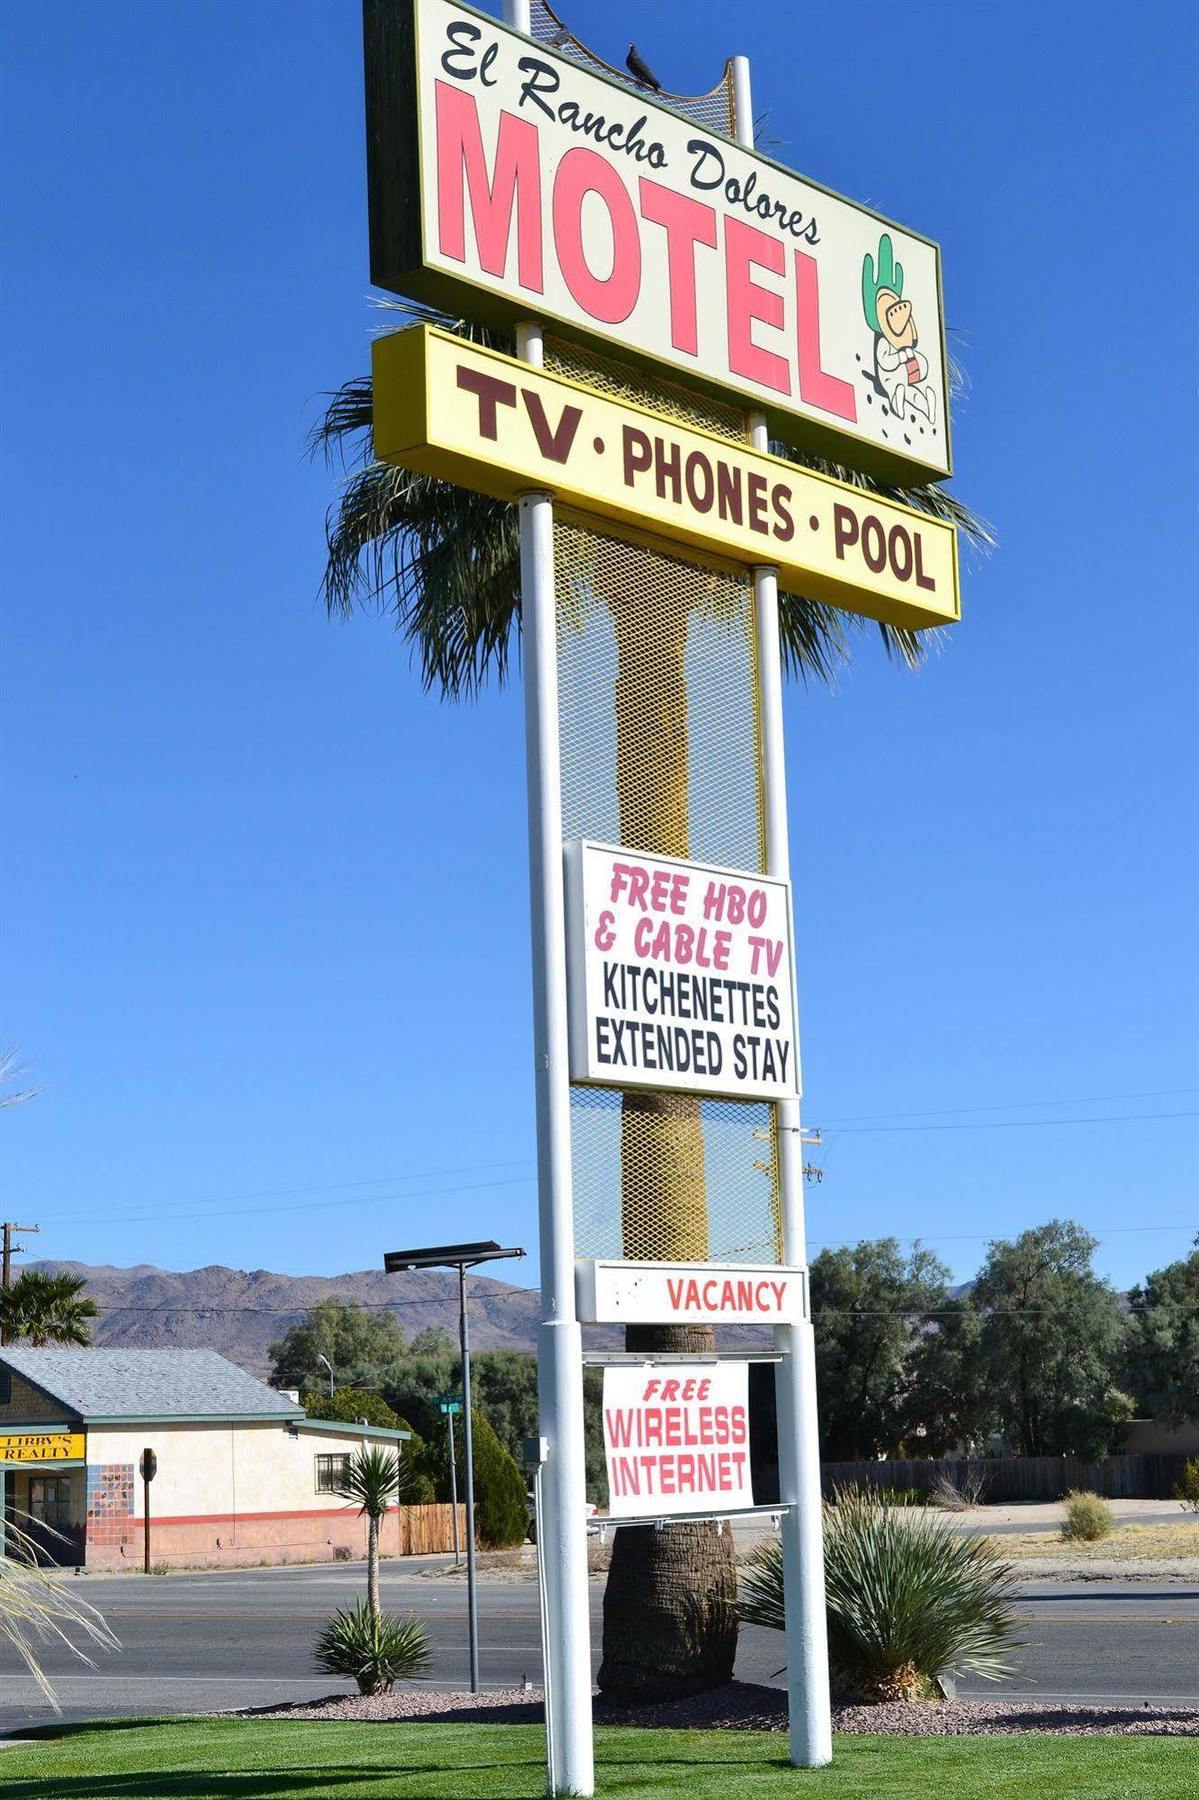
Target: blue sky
266,918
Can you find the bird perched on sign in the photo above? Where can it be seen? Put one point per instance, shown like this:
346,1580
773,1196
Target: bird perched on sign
636,64
561,38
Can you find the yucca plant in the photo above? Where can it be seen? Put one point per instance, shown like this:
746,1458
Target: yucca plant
36,1609
909,1599
374,1652
376,1480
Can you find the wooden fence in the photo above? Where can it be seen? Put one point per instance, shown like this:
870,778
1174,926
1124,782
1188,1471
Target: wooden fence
425,1530
1135,1476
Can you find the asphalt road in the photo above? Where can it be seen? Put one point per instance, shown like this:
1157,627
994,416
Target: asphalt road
198,1643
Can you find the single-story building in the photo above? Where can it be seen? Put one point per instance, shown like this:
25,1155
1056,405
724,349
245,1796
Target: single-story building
242,1475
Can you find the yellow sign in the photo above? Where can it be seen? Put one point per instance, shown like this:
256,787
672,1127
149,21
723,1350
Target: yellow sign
41,1447
445,407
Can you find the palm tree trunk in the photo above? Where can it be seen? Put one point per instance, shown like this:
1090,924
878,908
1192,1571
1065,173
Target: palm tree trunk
669,1624
372,1567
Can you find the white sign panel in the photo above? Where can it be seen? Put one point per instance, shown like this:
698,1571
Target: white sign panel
676,1439
680,976
565,195
658,1293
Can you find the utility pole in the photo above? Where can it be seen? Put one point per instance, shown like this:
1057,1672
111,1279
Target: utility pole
8,1226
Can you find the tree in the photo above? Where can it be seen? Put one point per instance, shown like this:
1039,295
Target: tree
434,1340
501,1500
1163,1342
375,1480
46,1309
947,1404
358,1341
446,564
868,1304
1051,1343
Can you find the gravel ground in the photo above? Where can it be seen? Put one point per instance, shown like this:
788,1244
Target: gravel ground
744,1706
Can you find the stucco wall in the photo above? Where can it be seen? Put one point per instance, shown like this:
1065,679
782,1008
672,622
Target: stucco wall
225,1495
204,1470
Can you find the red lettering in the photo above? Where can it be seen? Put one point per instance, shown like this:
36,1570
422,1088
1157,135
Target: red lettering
747,302
816,385
687,222
514,185
609,298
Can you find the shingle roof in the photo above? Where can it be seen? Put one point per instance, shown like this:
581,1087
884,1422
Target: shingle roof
148,1384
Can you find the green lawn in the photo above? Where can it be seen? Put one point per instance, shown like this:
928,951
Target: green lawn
232,1759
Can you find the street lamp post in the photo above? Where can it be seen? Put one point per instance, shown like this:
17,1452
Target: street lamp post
461,1257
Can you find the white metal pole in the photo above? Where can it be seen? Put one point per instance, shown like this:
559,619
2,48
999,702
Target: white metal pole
560,1341
799,1444
562,1529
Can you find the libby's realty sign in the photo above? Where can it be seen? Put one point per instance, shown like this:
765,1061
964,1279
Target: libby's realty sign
506,181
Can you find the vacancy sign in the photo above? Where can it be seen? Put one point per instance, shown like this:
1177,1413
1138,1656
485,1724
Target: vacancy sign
660,1293
676,1439
506,182
473,416
679,976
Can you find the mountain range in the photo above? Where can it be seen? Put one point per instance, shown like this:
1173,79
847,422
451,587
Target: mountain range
240,1311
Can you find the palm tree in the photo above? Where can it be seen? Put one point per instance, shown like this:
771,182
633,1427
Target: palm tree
36,1608
445,564
46,1309
375,1479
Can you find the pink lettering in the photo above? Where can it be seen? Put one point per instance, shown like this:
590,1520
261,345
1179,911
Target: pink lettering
515,184
748,301
687,222
610,298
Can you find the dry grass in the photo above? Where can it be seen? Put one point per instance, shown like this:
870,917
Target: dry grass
1155,1543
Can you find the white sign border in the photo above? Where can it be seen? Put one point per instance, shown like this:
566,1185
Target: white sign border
592,1275
576,971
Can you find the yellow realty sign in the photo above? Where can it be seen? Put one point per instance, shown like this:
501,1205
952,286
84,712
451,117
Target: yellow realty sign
41,1446
448,408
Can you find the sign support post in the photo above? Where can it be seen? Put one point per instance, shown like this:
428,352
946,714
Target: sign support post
801,1526
562,1532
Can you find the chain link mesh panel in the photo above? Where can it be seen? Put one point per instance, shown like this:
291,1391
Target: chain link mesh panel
714,110
660,751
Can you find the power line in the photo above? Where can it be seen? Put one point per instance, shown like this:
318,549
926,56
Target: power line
244,1212
1012,1124
985,1237
944,1112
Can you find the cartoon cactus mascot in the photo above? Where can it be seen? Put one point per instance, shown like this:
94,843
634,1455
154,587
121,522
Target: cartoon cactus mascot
889,282
900,369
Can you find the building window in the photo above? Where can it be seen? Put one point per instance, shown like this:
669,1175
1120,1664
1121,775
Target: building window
5,1386
331,1471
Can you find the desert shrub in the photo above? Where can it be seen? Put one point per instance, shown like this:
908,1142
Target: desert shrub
501,1503
959,1492
1088,1517
1186,1488
375,1654
909,1496
909,1598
